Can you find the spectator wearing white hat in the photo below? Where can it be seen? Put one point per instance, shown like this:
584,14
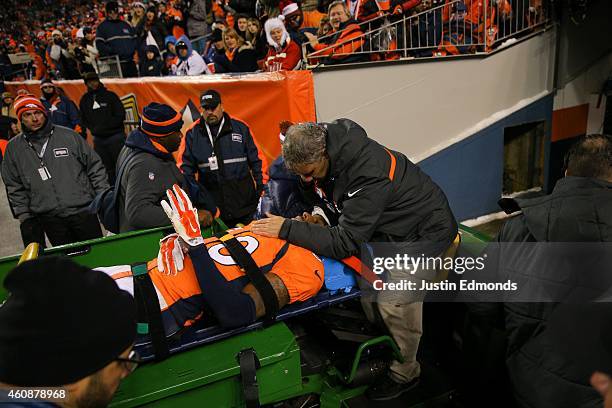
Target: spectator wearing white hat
283,53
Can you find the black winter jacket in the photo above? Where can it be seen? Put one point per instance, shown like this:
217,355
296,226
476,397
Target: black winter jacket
382,197
107,117
235,188
144,183
116,37
245,60
543,372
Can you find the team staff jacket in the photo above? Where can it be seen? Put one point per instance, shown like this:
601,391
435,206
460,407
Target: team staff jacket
144,183
381,195
116,37
182,298
70,176
63,112
234,188
102,112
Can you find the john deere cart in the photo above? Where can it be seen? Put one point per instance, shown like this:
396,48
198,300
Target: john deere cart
322,352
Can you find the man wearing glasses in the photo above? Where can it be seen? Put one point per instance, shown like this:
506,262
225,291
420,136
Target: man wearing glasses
66,330
222,163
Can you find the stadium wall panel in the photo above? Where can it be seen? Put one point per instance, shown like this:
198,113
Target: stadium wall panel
422,108
471,171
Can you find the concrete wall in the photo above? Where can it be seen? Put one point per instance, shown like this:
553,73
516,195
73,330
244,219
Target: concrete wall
422,108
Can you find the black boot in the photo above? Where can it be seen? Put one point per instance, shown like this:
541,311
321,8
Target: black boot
387,388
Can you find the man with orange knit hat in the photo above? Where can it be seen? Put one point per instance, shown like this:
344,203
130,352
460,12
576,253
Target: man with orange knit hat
150,168
51,176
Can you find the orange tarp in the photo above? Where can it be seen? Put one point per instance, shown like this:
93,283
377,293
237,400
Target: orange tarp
261,100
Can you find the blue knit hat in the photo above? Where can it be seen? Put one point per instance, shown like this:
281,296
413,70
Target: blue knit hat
160,120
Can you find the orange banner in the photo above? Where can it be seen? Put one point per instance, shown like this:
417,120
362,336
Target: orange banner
260,100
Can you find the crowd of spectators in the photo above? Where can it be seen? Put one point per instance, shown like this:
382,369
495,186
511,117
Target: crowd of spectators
64,39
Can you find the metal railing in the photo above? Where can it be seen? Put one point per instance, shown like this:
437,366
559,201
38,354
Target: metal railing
454,28
109,67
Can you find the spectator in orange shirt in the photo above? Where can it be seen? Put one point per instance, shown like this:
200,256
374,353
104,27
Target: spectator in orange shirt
347,39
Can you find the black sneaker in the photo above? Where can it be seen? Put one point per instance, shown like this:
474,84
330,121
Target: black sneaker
387,388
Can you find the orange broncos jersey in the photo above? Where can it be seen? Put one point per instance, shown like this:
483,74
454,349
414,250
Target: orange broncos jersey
179,295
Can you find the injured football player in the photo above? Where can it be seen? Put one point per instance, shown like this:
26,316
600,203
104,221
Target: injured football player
239,277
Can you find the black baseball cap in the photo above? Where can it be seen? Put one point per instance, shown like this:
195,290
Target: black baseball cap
112,6
210,99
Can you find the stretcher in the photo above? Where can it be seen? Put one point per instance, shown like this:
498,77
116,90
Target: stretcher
297,358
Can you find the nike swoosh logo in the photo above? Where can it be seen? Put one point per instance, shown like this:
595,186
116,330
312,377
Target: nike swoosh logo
350,194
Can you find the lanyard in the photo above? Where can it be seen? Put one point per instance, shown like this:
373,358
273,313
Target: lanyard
212,143
43,150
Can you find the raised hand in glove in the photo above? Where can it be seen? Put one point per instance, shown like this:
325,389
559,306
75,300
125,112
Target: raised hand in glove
171,255
183,215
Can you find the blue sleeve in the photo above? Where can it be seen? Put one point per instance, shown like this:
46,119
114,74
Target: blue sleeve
101,42
73,114
225,299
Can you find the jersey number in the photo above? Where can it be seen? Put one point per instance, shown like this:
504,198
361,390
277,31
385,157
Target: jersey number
215,251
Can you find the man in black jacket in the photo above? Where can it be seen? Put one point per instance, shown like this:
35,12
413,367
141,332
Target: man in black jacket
151,170
221,150
103,114
382,198
544,371
116,37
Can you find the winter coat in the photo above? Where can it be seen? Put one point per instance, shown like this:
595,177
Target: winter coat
157,30
242,59
234,188
196,23
340,48
289,57
63,112
192,64
107,117
116,37
381,195
543,372
152,67
74,173
144,183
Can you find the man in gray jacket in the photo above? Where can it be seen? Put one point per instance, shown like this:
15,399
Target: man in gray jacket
51,176
150,169
382,197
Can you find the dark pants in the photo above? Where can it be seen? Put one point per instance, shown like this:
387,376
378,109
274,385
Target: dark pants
108,149
74,228
32,231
